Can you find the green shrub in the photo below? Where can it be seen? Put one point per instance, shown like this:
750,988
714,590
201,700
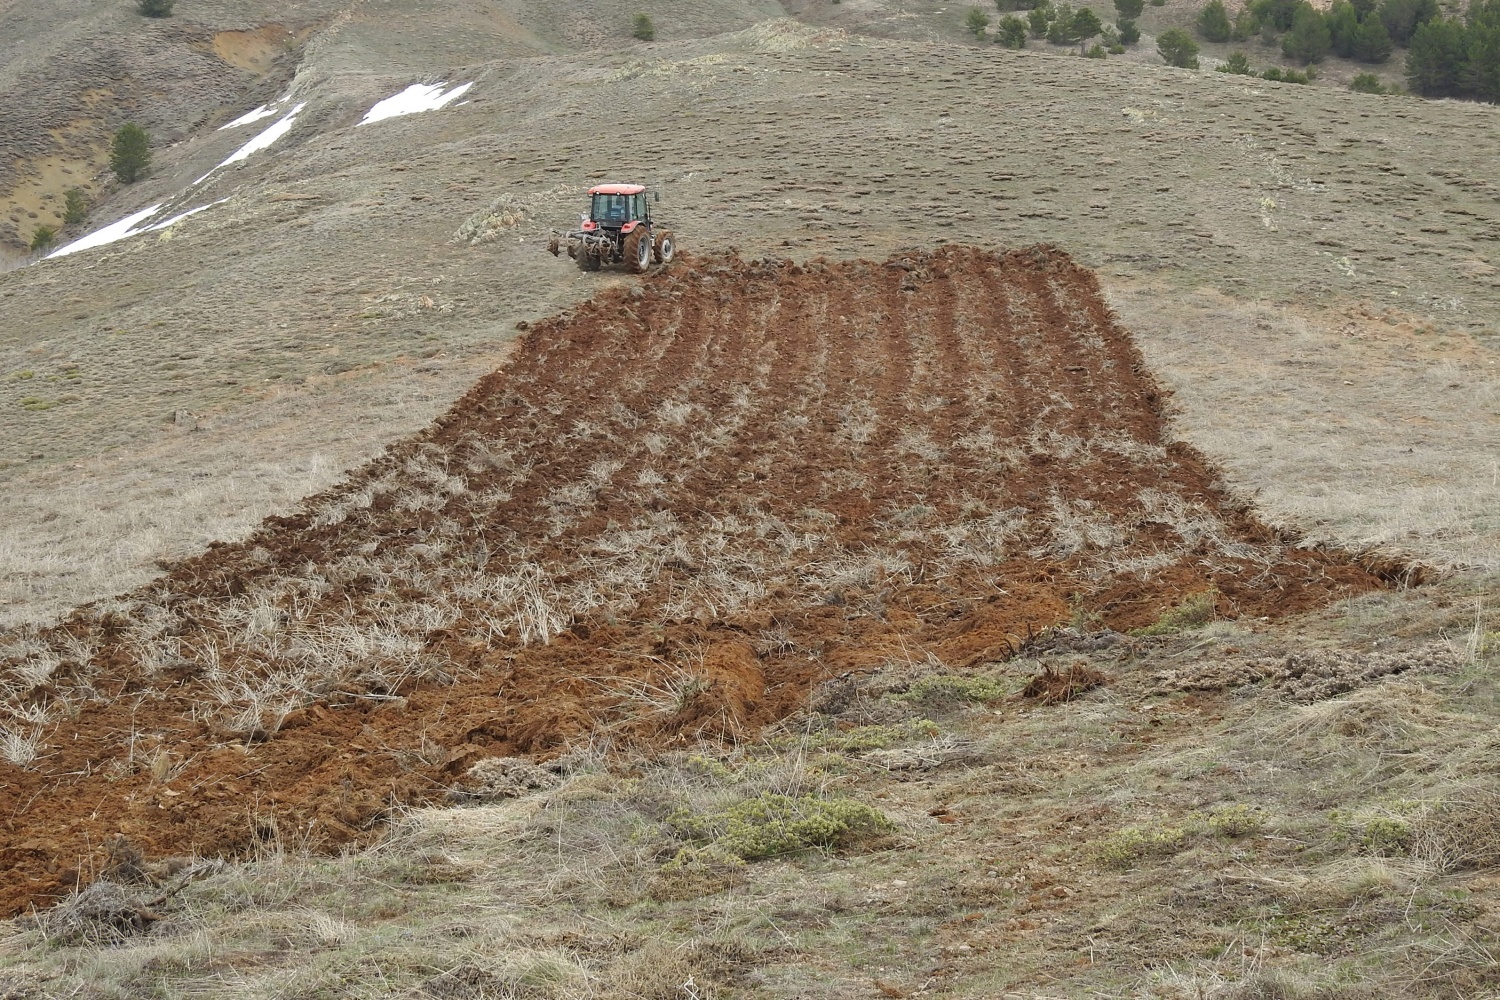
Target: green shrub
75,207
1237,63
771,825
1309,40
1195,611
1060,28
1136,843
1130,33
1117,49
1366,83
862,738
1095,51
1372,43
976,21
641,28
949,689
42,238
1278,75
1213,22
1277,14
1129,9
1235,821
1040,20
130,153
155,8
1011,32
1177,49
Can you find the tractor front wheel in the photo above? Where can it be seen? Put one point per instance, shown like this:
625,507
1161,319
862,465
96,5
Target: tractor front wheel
637,249
665,247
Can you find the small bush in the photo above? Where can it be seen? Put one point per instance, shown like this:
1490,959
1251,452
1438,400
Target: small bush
1195,611
1134,844
771,825
1117,49
1011,32
1129,10
130,153
1382,836
42,238
1235,821
641,28
862,738
1095,51
948,689
156,8
976,21
1177,49
1278,75
1130,32
75,207
1366,83
1237,63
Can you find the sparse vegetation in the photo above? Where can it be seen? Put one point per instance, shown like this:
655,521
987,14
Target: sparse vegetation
1366,83
1176,48
771,825
642,28
1196,611
155,8
976,21
130,153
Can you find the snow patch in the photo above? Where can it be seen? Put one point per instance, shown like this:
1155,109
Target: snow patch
416,98
262,141
109,234
264,111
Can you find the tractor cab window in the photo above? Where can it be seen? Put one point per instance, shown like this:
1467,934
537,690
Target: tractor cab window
611,209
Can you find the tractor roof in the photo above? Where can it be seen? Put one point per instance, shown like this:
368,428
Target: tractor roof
618,189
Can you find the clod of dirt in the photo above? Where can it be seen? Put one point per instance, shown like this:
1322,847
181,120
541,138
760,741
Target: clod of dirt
503,778
1053,686
680,507
1304,676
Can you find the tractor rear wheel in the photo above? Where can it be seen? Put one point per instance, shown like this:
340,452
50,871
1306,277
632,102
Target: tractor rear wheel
637,249
665,247
587,259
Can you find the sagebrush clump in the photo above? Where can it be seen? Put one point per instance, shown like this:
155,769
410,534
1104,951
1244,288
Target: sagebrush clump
772,825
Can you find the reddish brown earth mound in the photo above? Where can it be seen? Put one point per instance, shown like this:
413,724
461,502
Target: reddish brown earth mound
678,508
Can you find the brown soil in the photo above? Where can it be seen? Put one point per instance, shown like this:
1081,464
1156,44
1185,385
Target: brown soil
682,504
256,50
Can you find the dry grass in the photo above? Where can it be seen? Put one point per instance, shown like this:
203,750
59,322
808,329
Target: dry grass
1224,844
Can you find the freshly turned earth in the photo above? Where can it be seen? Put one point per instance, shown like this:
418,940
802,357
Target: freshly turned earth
680,505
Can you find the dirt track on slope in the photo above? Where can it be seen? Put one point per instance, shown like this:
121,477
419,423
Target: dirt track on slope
680,506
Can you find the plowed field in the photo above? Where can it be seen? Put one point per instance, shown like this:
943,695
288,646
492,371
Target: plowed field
680,506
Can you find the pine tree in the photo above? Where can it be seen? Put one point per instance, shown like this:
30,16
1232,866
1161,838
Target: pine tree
1372,43
1213,22
75,206
1309,40
1177,48
130,153
1438,59
1011,32
1129,8
1343,28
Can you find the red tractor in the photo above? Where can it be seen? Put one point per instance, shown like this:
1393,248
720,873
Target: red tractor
618,229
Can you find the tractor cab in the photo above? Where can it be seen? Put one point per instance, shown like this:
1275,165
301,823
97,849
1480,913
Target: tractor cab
617,206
